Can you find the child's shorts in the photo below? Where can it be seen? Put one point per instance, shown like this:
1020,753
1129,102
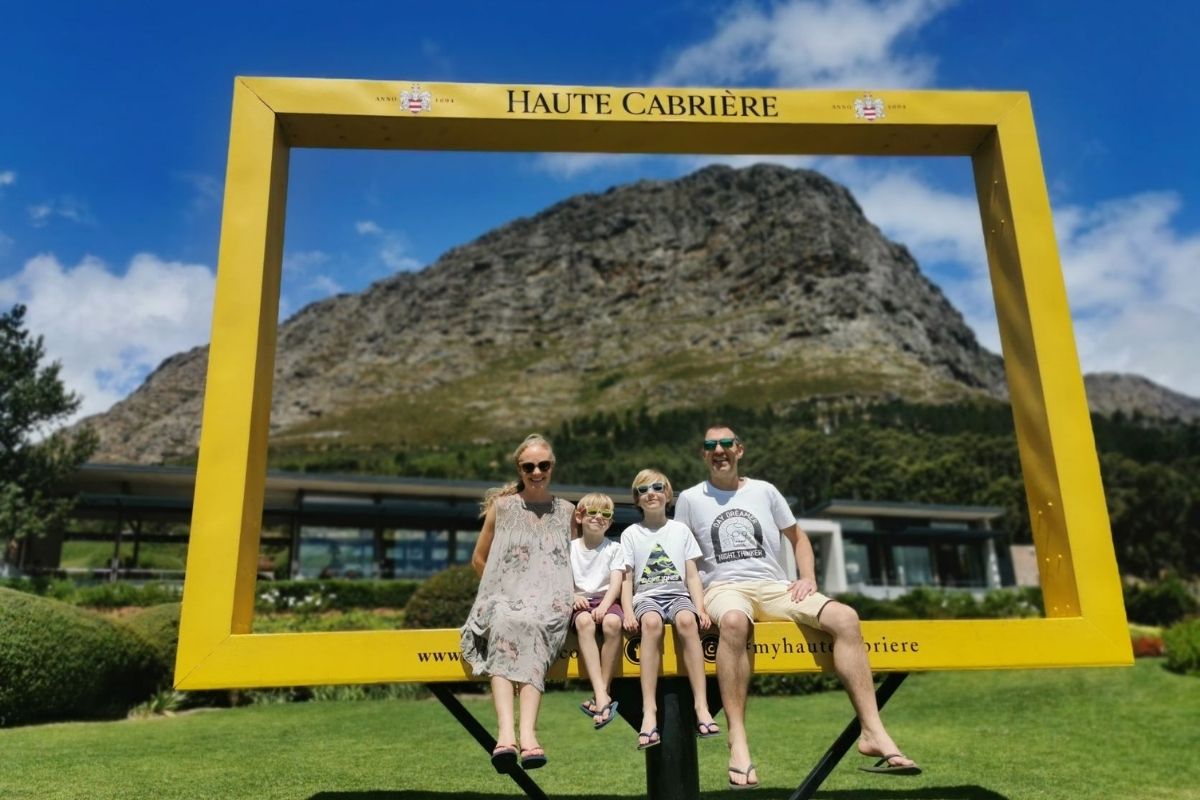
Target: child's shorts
593,604
667,606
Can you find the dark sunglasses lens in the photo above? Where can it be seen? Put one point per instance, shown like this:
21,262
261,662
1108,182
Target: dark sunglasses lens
710,444
528,466
727,443
599,512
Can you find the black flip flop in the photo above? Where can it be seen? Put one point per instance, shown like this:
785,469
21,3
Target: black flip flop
884,766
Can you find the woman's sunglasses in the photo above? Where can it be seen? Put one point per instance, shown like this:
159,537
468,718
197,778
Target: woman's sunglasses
598,512
711,444
528,466
657,486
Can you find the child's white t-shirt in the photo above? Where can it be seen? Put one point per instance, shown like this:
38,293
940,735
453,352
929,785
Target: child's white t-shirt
592,568
659,557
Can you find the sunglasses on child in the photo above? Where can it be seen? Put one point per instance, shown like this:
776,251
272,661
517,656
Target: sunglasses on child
657,486
528,466
598,512
711,444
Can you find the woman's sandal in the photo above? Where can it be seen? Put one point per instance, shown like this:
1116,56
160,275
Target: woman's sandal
532,757
746,772
504,758
707,730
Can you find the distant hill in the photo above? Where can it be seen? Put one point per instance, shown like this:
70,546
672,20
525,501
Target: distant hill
747,287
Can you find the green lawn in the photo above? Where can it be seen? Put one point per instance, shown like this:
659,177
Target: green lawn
1128,733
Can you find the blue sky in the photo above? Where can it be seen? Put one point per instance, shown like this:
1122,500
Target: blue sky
115,129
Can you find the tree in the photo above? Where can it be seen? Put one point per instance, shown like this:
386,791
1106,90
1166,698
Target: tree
34,458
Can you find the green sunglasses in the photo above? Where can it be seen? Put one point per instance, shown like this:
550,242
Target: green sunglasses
711,444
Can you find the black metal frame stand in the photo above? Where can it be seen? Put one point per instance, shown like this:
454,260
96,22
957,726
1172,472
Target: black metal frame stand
843,743
473,726
672,768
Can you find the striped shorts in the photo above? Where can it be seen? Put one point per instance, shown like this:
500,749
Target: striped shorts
666,606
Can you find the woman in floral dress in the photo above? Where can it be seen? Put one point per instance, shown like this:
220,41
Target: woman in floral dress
519,621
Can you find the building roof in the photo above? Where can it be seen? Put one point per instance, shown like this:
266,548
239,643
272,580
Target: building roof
160,492
928,511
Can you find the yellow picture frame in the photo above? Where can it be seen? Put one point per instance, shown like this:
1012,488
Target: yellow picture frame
1085,617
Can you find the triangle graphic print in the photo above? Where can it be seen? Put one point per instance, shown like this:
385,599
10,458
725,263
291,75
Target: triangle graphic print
659,568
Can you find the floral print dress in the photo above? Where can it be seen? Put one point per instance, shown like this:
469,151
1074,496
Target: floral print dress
521,614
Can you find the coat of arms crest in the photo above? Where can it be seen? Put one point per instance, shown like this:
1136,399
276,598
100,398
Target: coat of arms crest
416,100
869,108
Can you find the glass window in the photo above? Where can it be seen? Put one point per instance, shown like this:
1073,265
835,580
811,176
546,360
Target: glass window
913,564
858,563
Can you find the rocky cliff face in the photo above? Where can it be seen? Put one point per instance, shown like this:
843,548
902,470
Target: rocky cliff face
748,286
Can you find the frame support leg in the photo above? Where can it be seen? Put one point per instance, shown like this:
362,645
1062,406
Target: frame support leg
485,739
843,743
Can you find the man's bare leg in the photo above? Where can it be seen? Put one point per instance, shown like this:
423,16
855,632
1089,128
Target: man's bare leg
850,662
733,676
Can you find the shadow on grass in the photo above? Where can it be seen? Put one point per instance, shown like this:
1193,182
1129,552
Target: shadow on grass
924,793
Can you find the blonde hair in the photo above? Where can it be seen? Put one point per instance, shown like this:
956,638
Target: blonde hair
650,476
514,487
591,500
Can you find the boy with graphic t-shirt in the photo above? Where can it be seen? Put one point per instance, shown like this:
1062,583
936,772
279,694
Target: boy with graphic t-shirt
662,583
598,567
741,524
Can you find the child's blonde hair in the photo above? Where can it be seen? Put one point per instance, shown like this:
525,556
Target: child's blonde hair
652,476
591,500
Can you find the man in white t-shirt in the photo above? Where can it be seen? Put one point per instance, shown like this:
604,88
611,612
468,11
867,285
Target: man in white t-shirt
740,525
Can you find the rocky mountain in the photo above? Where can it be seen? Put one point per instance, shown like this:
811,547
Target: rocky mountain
750,286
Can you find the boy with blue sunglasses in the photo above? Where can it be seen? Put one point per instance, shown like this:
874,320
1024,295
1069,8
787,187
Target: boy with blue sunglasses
662,584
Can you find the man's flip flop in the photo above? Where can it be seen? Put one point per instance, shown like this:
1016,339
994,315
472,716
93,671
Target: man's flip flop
746,772
707,730
610,709
504,758
652,737
884,766
532,757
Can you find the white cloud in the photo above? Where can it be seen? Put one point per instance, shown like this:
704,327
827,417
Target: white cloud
811,43
206,190
802,43
8,178
109,330
1131,276
67,208
394,248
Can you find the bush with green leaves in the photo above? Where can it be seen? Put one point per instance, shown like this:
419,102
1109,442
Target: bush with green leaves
1182,643
159,627
443,600
1160,603
62,662
333,595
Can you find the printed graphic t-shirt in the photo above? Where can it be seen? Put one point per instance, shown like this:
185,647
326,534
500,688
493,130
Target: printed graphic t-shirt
659,558
738,531
592,569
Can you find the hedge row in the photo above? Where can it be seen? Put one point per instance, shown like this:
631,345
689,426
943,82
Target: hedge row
312,595
62,662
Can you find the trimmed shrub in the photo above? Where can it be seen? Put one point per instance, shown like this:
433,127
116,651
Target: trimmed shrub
1182,643
443,600
1159,603
159,627
61,662
122,595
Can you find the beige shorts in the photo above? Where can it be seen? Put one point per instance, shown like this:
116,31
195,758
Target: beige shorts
763,601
